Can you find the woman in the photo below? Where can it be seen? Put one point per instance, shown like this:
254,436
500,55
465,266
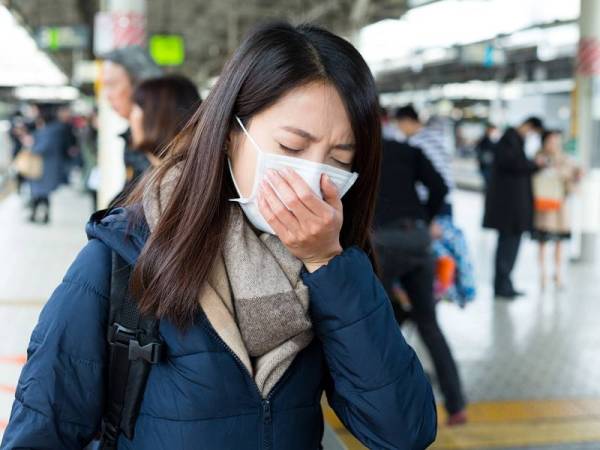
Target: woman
551,187
51,142
161,108
257,325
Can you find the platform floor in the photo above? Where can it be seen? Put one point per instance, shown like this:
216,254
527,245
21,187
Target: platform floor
531,368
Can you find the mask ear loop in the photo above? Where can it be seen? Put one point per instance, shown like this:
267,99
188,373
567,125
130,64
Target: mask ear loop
256,170
248,135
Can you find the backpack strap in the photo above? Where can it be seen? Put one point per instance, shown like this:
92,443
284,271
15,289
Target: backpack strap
134,345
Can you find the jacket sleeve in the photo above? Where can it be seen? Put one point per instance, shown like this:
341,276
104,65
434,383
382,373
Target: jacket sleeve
42,142
59,396
433,181
510,157
378,388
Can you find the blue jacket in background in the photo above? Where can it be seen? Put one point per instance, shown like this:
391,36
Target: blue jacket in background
200,397
50,142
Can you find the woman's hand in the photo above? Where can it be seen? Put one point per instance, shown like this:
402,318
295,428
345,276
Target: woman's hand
308,226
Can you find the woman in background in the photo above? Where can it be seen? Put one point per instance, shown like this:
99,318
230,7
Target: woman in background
552,187
161,108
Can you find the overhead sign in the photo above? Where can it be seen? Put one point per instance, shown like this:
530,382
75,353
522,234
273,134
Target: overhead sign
167,49
63,37
483,54
118,29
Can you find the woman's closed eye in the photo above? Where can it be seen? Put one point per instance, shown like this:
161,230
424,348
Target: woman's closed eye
344,165
287,149
295,151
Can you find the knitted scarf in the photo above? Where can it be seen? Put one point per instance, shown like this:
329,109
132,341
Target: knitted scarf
254,298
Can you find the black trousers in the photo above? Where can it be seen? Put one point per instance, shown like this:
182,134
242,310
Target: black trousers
506,256
405,256
36,203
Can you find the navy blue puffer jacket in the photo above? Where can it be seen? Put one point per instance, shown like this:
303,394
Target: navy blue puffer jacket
200,397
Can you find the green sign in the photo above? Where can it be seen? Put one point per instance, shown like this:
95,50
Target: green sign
167,49
63,37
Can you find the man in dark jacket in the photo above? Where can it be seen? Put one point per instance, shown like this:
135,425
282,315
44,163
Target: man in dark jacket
403,243
509,200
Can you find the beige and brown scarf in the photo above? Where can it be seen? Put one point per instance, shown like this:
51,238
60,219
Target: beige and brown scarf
255,299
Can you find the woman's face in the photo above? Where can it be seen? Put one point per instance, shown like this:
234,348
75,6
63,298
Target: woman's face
553,144
136,122
309,122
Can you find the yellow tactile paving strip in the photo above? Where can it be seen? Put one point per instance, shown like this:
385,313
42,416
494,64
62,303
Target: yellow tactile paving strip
36,303
510,424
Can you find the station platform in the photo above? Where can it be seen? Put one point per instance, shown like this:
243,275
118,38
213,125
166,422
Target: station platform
530,368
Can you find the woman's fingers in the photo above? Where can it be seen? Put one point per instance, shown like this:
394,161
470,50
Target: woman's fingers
308,226
270,217
330,193
303,191
287,194
309,211
276,213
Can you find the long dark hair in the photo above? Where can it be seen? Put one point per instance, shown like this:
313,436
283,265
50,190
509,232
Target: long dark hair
272,60
167,103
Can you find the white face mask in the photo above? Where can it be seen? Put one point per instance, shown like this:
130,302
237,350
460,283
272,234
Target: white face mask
309,171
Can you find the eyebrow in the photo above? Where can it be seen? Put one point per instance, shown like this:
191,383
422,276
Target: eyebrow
306,135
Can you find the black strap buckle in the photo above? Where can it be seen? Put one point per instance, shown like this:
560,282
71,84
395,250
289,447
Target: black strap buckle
126,337
149,352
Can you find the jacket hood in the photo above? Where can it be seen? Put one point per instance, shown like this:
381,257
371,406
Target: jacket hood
124,230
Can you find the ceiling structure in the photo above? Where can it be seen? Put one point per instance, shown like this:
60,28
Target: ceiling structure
211,28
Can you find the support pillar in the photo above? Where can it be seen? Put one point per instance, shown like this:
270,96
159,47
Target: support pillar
587,219
120,23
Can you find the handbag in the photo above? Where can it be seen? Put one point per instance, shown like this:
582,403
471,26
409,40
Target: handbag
548,190
28,164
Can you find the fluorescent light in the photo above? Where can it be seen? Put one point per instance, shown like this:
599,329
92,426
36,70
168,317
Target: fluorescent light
21,62
49,93
458,22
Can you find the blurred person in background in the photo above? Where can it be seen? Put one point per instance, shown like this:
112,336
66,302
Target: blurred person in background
122,70
161,107
51,143
403,227
72,156
551,188
88,142
17,132
389,130
485,152
20,132
431,140
509,200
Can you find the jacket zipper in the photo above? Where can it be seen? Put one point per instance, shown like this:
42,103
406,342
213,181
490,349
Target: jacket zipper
267,428
265,401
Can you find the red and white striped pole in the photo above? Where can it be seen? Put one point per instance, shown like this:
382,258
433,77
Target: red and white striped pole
121,23
128,22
